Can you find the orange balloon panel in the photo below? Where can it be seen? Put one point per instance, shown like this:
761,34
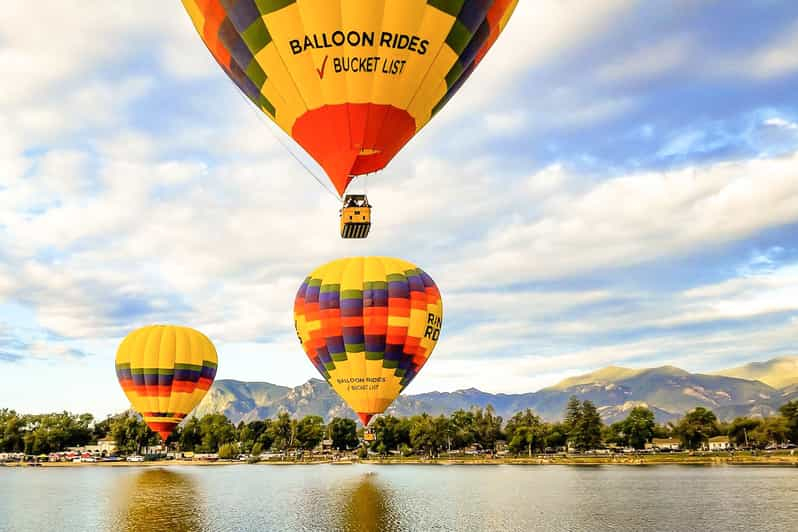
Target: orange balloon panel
352,81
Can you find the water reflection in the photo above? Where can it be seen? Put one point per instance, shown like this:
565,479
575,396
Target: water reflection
156,499
367,506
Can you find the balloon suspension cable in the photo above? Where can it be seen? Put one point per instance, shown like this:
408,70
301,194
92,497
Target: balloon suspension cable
269,126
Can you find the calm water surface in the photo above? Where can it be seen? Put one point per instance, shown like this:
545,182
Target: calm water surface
363,497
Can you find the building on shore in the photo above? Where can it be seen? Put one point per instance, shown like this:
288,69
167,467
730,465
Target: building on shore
107,446
670,444
718,443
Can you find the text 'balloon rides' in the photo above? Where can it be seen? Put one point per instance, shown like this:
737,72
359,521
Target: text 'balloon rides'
368,324
165,371
351,81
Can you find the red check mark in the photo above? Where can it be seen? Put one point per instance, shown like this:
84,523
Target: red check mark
323,67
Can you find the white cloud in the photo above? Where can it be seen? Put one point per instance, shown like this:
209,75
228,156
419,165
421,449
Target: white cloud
223,222
781,123
538,33
778,58
505,123
616,221
538,367
646,63
66,39
205,220
774,59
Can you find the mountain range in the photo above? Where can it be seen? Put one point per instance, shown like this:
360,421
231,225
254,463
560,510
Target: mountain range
756,389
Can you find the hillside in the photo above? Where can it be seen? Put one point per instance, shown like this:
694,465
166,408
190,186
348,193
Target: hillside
778,372
667,390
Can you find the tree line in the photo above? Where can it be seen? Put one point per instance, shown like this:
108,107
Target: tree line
477,429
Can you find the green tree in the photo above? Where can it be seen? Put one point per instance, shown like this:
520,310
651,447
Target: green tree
191,435
525,432
257,450
589,428
101,429
774,429
487,427
228,451
363,452
215,431
696,427
583,424
741,431
343,433
46,433
573,414
263,432
252,433
789,412
282,431
427,434
463,429
11,432
638,427
131,433
555,435
310,432
663,431
390,433
615,434
245,437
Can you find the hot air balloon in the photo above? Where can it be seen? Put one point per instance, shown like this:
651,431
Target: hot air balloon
368,325
351,81
165,371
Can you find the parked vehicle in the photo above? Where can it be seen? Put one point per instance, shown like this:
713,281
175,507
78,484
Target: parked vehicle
135,458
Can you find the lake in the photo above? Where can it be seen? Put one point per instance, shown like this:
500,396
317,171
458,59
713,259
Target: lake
400,497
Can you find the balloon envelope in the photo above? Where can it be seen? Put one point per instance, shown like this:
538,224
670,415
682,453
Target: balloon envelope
165,371
368,324
352,81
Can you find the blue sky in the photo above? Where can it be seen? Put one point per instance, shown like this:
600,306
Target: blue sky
616,184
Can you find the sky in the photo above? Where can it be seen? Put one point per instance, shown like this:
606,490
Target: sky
617,184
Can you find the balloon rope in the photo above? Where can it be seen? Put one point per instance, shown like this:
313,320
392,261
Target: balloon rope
269,125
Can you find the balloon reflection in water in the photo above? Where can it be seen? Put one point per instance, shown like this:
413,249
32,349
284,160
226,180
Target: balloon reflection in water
367,507
157,499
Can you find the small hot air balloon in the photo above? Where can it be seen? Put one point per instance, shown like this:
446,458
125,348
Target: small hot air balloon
165,371
368,324
351,81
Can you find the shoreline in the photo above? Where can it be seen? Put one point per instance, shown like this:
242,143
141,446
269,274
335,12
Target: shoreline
780,460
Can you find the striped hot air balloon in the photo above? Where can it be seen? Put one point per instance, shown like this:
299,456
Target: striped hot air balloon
165,371
368,325
351,81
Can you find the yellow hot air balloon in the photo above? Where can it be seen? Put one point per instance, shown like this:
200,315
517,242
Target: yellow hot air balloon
351,81
368,324
165,371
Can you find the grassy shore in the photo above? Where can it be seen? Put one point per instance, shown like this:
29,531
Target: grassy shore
779,458
643,459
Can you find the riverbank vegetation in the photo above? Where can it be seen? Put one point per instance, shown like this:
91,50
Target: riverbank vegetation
475,432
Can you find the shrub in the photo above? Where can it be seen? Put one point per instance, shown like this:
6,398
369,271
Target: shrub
227,451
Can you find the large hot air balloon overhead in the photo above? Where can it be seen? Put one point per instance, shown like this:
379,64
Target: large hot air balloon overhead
368,325
165,371
351,81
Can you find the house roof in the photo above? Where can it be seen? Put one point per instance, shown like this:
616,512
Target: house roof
718,439
665,440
